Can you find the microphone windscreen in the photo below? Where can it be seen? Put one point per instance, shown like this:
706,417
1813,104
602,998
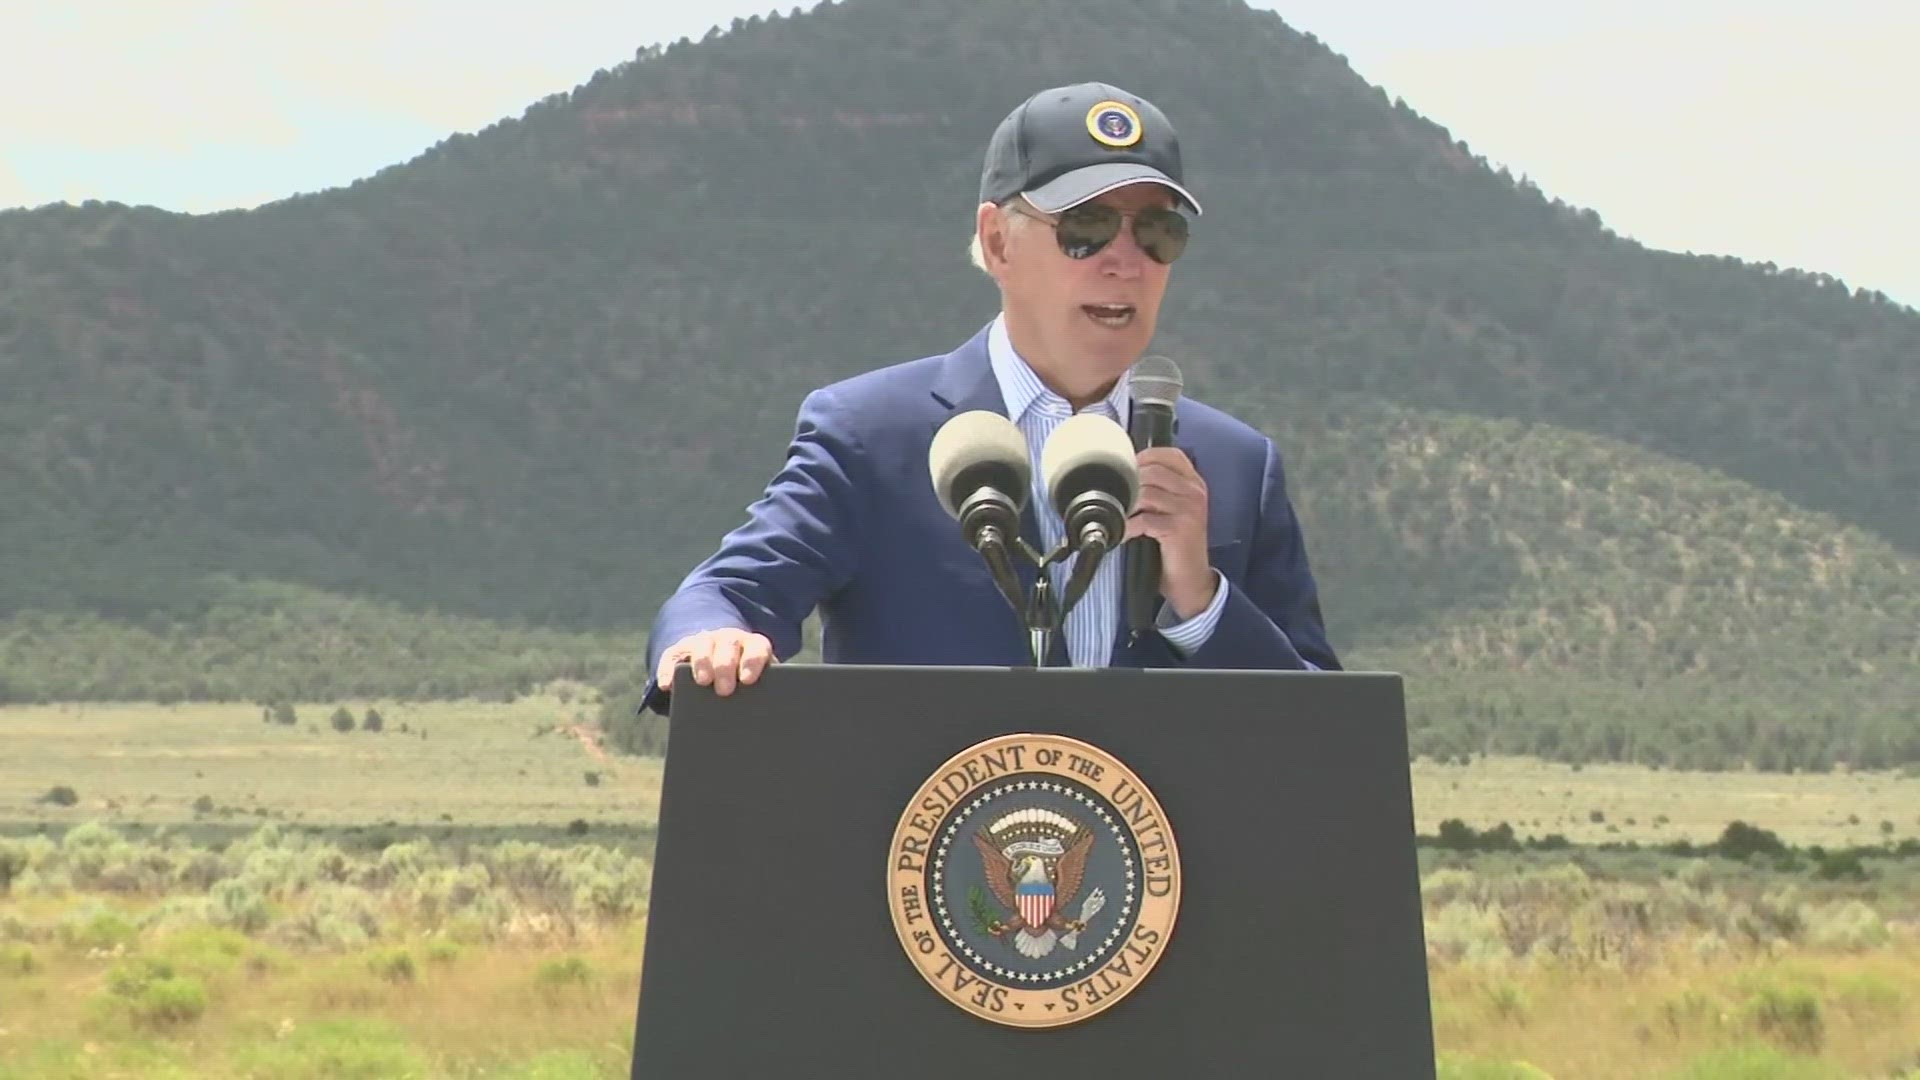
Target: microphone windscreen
974,449
1155,380
1091,451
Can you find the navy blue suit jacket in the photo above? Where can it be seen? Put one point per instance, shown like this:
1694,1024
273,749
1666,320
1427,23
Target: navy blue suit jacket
851,525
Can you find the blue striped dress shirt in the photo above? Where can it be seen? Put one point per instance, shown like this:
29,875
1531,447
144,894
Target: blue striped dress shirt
1093,622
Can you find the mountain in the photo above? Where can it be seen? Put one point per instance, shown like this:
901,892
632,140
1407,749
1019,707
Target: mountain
531,375
1571,596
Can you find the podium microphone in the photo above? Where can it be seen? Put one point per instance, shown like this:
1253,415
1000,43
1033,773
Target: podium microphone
980,470
1093,483
1154,385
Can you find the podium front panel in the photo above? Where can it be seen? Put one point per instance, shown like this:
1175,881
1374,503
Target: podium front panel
1297,948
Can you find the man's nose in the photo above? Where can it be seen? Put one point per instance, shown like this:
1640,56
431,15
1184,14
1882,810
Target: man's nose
1123,256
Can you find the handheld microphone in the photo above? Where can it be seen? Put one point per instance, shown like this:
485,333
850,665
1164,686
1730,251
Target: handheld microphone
1093,483
1154,386
981,474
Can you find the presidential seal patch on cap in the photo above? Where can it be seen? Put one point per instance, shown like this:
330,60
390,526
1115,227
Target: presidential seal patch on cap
1114,124
1033,880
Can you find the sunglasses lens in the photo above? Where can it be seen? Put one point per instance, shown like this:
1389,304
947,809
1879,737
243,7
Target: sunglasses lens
1086,229
1162,234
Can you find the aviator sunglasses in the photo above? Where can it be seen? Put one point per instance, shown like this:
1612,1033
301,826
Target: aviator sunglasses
1083,230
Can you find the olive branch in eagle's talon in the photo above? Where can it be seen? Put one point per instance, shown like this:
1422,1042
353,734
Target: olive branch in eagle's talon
985,918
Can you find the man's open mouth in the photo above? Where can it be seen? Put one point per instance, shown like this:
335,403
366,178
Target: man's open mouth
1113,316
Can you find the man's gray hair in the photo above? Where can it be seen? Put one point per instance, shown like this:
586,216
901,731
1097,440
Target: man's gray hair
1015,220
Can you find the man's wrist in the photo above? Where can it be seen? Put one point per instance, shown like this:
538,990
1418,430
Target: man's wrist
1186,636
1190,602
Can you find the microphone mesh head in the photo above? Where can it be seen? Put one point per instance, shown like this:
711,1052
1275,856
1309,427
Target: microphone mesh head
1093,446
1155,380
974,446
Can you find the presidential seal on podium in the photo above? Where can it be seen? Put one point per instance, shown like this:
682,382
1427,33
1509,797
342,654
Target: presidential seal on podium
1034,880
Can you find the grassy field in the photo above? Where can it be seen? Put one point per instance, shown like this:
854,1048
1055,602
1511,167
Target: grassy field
524,765
463,894
532,764
1601,803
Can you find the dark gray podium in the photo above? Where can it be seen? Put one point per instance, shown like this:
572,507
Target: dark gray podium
962,872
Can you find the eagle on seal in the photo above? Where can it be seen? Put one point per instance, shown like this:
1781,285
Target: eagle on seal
1036,896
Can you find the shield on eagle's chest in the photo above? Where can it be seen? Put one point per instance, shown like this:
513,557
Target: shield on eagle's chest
1036,902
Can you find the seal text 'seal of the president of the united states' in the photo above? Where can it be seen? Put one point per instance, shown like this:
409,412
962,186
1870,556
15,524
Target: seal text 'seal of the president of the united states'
1034,880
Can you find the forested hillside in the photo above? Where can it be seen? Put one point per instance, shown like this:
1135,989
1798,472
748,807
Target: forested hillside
519,384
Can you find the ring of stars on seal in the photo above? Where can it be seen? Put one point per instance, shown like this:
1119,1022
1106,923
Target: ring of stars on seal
1034,880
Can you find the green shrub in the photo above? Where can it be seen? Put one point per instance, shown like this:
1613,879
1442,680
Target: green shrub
1849,926
151,992
171,1001
1687,1012
1789,1015
330,1049
1742,841
1456,1067
94,926
1750,1062
13,859
566,971
559,1065
16,958
393,965
238,904
1870,997
209,952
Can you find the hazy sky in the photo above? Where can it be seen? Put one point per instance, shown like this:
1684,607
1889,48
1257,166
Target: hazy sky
1761,128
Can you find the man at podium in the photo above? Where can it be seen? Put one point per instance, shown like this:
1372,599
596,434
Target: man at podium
1083,210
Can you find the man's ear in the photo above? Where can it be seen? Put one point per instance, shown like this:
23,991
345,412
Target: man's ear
990,226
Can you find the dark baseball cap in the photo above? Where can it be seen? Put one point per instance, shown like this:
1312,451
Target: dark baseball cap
1068,144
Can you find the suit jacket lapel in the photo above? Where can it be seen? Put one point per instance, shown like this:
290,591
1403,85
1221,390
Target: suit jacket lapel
966,383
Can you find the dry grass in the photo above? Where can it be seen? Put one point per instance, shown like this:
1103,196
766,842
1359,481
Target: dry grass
1805,1012
1539,798
1739,971
512,764
554,1005
555,1009
471,763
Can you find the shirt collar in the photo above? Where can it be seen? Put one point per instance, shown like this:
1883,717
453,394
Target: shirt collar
1022,389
